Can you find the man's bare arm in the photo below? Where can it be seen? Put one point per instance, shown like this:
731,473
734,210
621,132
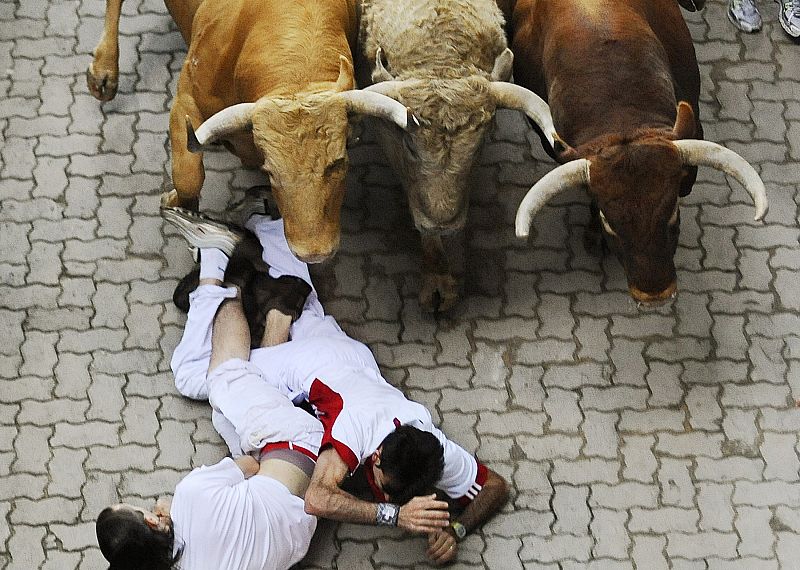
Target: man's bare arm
487,502
324,498
442,544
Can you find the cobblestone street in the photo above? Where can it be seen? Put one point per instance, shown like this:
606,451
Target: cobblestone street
632,438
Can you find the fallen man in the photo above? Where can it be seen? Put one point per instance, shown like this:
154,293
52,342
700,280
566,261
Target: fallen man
242,514
366,421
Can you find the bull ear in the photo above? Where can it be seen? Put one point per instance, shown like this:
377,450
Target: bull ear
684,122
503,66
346,80
380,73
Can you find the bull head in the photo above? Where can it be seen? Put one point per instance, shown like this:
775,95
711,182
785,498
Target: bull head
302,140
435,159
635,184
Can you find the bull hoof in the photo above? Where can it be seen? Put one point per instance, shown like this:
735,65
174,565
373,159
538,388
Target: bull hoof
439,293
171,199
102,85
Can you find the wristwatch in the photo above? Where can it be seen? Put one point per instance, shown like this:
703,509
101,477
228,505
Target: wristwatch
387,514
459,529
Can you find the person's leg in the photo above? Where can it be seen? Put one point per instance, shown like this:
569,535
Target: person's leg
216,241
276,330
230,336
276,254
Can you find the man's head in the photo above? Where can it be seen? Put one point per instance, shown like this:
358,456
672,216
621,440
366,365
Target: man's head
132,538
408,464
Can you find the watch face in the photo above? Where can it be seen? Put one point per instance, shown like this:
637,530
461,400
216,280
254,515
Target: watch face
460,530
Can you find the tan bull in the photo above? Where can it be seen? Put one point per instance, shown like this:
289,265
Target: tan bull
273,81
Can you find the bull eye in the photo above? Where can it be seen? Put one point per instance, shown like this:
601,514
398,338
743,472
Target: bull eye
606,225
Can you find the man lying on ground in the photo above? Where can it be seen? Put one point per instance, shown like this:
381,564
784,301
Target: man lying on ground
367,422
242,514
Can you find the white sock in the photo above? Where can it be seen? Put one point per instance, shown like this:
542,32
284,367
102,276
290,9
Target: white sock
213,263
255,220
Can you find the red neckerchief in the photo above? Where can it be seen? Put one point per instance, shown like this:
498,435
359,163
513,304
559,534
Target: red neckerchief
370,475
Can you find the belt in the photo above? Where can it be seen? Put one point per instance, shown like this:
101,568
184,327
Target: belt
287,445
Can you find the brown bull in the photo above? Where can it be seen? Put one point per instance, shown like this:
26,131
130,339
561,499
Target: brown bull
622,83
273,81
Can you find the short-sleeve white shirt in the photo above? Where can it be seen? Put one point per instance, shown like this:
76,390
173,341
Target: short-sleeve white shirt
226,522
357,407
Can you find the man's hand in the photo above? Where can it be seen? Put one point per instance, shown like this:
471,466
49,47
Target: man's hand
423,514
442,547
248,464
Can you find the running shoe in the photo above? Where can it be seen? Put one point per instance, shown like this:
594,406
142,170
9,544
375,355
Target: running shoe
744,15
201,231
789,16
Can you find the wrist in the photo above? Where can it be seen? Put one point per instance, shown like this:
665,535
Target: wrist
387,514
457,530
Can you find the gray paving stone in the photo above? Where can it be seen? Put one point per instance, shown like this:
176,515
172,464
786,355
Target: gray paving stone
547,368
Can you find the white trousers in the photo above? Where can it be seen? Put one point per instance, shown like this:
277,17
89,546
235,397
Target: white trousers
246,410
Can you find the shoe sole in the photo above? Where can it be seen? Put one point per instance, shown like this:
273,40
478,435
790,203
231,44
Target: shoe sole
189,223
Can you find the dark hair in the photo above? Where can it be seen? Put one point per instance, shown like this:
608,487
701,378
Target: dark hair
413,460
129,544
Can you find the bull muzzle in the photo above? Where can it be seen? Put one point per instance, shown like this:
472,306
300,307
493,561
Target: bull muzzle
657,298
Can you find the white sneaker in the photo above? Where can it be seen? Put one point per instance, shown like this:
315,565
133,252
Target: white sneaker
201,231
744,15
789,16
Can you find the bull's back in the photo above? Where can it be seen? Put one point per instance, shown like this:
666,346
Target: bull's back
241,50
604,64
439,35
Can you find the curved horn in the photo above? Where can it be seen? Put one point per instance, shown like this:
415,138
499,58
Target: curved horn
562,178
503,66
379,105
706,153
230,120
516,97
380,73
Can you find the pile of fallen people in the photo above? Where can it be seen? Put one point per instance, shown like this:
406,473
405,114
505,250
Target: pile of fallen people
311,424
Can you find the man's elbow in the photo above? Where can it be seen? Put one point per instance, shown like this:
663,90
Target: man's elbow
314,502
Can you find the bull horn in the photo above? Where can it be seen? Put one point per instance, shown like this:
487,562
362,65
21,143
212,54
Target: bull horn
705,153
503,66
380,73
379,105
515,97
230,120
564,177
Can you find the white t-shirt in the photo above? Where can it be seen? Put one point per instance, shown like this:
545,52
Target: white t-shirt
357,407
226,522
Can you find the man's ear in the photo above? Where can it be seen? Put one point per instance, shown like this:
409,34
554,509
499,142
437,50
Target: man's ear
376,457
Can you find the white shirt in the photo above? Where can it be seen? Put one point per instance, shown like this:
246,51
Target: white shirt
357,407
226,522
